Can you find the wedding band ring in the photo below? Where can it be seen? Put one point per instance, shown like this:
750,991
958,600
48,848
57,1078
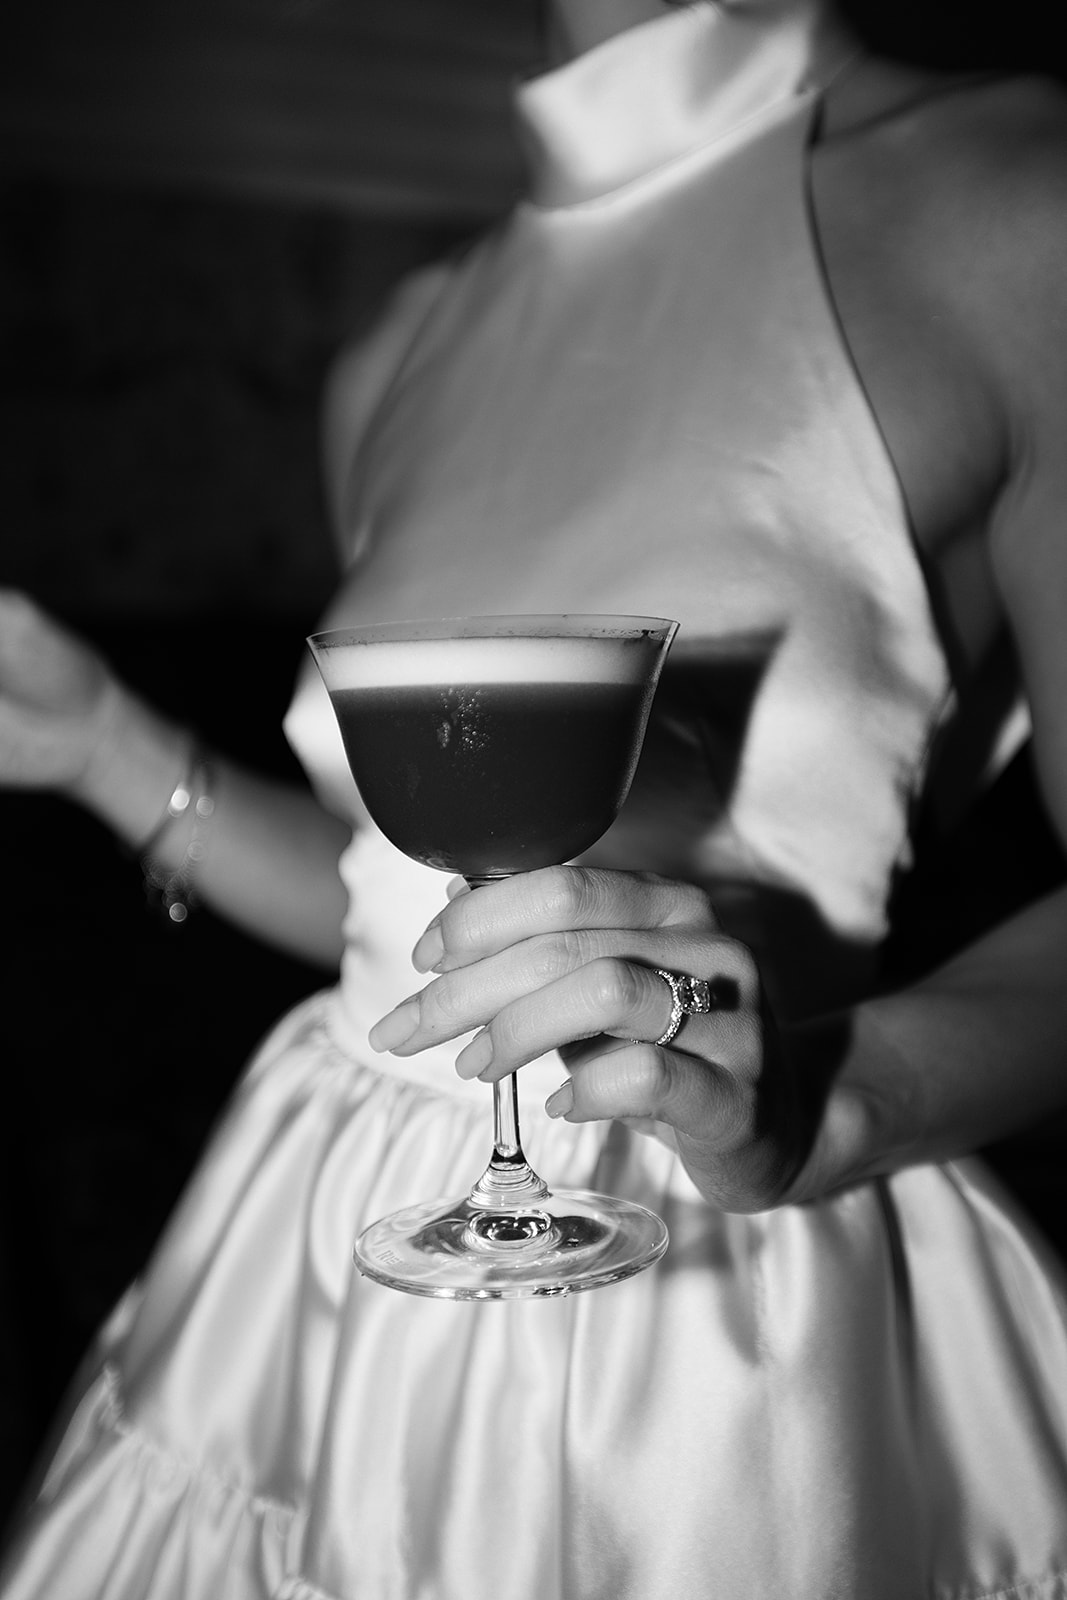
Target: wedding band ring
690,997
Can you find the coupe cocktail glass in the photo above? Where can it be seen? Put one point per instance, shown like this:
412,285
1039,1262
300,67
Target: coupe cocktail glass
486,746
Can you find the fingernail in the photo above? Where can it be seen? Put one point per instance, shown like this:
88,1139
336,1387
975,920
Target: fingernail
430,948
561,1100
475,1057
395,1028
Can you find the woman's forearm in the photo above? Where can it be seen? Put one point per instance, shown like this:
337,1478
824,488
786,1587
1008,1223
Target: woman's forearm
970,1054
270,850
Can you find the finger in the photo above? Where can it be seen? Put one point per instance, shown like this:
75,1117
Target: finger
610,995
577,1054
551,900
718,1115
469,997
644,1083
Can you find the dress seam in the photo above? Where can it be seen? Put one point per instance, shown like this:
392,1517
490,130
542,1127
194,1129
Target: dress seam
116,1418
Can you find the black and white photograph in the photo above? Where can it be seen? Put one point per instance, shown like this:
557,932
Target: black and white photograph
533,778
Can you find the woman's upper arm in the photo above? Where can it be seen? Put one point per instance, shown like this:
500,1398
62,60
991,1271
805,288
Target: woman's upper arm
1029,533
1034,584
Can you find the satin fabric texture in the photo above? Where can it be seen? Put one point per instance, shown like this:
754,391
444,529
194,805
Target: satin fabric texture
634,395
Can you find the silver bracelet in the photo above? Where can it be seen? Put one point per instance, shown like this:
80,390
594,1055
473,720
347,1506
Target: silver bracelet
171,889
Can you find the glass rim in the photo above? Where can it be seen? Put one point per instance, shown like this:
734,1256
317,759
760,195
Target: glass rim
521,625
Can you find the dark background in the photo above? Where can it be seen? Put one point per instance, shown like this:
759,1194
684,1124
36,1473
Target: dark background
199,202
162,357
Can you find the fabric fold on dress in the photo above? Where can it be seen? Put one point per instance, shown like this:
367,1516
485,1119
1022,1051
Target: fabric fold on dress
631,397
666,89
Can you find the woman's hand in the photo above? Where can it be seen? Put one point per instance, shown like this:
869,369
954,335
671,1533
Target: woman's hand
69,725
58,699
565,958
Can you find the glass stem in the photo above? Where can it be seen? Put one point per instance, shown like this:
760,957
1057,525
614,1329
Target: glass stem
509,1180
506,1146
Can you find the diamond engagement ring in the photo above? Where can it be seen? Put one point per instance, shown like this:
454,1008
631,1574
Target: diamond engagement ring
690,997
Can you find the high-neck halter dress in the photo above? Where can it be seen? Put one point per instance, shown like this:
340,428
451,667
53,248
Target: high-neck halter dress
633,396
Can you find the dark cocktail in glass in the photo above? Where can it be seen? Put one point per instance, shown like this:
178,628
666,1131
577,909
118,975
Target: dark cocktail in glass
486,746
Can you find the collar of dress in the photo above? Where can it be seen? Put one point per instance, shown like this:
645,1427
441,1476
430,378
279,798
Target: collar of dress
658,92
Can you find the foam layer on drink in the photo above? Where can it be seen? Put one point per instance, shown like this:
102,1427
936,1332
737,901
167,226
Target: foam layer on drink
412,663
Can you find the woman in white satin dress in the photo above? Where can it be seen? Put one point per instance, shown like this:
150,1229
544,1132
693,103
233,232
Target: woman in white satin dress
770,347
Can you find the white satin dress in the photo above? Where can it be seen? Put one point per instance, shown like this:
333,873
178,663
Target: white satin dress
633,396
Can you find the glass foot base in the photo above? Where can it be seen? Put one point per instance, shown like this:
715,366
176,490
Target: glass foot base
566,1241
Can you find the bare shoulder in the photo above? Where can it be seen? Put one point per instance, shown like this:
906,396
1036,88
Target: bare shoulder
990,235
1000,179
990,238
954,199
956,170
943,204
996,176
